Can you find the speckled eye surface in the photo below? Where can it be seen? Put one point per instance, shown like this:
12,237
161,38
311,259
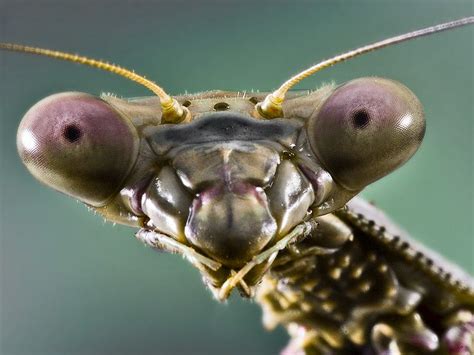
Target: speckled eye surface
367,128
77,144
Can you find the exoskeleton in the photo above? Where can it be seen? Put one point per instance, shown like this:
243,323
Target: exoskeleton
259,192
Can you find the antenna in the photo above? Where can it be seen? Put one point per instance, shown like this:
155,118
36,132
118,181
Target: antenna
271,106
172,111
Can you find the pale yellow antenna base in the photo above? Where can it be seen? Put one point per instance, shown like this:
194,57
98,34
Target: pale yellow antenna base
270,107
172,111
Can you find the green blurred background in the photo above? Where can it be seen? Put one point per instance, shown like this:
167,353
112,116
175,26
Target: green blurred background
71,284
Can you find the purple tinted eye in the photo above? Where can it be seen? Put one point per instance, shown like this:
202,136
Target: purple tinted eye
77,144
365,129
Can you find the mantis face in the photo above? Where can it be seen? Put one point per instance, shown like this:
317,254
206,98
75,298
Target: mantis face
227,184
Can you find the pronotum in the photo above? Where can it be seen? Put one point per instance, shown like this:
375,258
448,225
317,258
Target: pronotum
258,193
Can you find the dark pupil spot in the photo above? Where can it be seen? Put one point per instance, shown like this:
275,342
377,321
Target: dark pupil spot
72,133
360,119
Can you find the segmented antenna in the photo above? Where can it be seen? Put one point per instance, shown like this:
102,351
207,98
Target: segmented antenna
271,106
172,111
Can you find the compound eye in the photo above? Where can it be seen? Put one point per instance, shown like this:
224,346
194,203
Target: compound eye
367,128
79,145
